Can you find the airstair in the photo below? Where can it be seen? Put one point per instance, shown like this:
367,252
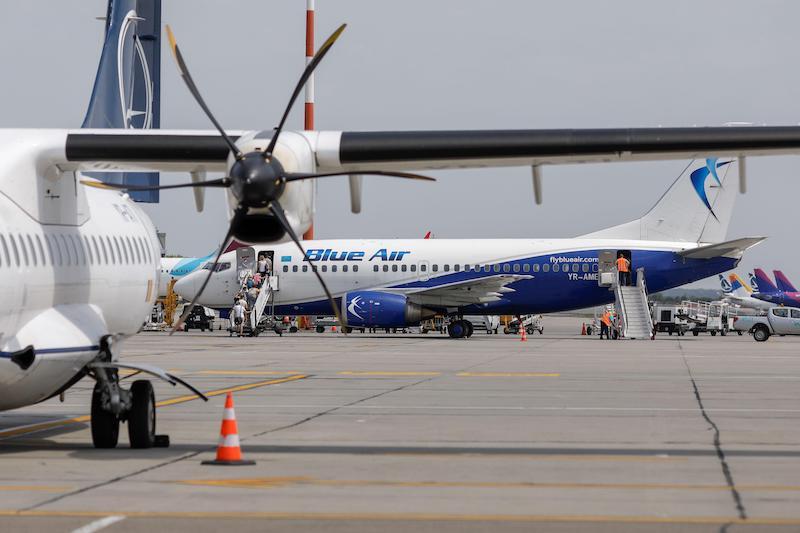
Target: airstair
633,309
265,300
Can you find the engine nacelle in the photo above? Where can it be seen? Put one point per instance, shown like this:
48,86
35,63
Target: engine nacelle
382,310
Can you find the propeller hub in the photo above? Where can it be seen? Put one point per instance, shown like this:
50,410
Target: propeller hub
256,181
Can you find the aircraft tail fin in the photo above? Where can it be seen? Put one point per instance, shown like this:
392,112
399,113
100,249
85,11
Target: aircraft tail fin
783,282
696,208
127,87
764,283
738,286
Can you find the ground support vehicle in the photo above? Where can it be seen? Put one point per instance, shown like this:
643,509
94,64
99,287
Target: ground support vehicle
778,321
532,323
667,319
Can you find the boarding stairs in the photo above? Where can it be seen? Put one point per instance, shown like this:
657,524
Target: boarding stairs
633,309
264,302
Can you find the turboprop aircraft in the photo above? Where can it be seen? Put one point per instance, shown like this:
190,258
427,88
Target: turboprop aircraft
397,283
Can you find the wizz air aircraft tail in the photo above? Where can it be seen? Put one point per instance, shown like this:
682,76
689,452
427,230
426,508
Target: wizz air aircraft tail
127,87
696,208
765,284
783,282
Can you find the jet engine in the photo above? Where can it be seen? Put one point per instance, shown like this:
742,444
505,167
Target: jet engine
382,310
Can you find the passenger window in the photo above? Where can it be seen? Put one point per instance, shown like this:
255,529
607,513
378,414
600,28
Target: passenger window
557,267
447,268
294,268
355,268
394,268
24,250
5,250
487,268
536,267
515,268
286,268
305,268
375,268
585,267
404,268
324,268
546,267
457,267
34,260
413,268
344,268
526,267
435,268
594,267
14,248
386,268
333,268
423,268
496,268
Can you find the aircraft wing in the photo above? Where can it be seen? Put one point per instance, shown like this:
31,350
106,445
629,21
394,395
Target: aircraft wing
420,150
473,291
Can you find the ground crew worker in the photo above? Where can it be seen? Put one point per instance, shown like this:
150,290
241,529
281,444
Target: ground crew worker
624,269
605,324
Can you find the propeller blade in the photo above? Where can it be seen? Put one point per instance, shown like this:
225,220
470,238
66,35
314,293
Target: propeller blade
301,82
389,173
187,78
277,210
222,182
188,309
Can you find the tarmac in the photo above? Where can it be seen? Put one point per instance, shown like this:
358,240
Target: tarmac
399,432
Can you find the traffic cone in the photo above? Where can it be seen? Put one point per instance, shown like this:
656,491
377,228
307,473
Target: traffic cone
333,329
229,452
583,329
524,336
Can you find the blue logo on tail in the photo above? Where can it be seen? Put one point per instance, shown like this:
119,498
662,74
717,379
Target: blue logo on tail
700,176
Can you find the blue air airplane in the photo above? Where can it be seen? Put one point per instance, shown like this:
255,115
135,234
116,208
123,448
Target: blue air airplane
393,283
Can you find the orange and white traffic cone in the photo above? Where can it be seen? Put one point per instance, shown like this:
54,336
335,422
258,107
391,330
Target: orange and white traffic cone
229,451
524,336
583,329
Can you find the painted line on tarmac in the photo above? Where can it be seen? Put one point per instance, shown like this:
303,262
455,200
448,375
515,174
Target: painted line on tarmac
247,373
278,482
419,517
34,488
35,428
508,375
381,373
102,523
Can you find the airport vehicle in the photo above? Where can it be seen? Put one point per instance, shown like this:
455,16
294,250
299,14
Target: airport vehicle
532,324
488,323
737,292
395,283
778,321
706,317
670,319
770,293
201,318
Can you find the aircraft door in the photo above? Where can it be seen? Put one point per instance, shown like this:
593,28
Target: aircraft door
245,263
606,267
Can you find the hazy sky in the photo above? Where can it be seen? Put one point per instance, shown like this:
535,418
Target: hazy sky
443,64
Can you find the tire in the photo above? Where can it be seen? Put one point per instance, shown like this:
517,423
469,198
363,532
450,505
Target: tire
456,330
142,417
723,333
589,331
293,329
530,330
740,333
506,331
470,329
713,333
348,329
105,425
760,334
320,329
695,333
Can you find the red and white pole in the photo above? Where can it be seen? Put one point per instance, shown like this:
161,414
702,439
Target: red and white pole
309,104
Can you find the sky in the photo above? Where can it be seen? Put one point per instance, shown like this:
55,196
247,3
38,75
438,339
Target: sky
444,64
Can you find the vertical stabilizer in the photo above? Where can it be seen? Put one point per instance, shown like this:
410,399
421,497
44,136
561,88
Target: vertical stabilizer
783,282
696,208
127,87
765,284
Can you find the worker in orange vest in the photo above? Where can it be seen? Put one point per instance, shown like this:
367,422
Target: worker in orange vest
605,324
624,269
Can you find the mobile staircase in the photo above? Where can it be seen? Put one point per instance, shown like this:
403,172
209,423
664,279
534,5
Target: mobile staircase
265,301
633,309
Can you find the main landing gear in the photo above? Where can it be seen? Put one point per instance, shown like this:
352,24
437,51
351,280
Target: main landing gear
460,328
112,404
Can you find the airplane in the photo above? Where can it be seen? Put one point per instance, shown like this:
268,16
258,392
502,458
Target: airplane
769,292
397,283
738,292
783,282
80,258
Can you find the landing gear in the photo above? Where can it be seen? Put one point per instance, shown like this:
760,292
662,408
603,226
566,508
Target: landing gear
142,416
105,424
459,329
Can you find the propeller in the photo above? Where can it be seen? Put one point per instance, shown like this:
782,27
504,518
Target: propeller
256,179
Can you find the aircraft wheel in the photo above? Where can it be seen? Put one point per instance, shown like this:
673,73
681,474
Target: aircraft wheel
470,328
105,425
457,330
142,416
506,331
695,333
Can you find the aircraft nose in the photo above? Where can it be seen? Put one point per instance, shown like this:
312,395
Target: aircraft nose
188,285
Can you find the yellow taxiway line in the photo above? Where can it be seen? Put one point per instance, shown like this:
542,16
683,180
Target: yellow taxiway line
419,517
35,428
508,375
247,373
387,373
34,488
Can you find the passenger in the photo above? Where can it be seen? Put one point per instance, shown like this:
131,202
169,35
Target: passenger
262,265
624,269
257,279
238,316
252,296
605,325
250,283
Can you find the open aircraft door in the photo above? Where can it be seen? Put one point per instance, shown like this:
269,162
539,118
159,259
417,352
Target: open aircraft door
245,263
606,267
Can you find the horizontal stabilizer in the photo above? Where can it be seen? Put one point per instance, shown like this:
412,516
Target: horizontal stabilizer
734,248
